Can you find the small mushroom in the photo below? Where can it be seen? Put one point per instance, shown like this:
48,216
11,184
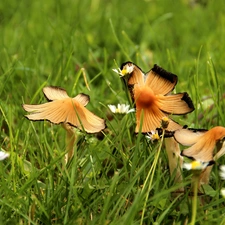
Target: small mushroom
202,146
202,143
150,94
70,112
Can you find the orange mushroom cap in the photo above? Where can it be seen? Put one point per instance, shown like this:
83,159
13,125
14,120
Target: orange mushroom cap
63,109
202,143
150,94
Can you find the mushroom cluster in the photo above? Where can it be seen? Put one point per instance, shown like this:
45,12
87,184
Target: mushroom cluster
151,95
154,103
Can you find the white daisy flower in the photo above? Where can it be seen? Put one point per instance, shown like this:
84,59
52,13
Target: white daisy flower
196,165
3,155
222,192
119,71
121,109
127,70
222,172
153,136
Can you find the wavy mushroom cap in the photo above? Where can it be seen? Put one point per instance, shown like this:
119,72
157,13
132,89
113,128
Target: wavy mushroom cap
150,95
202,143
63,109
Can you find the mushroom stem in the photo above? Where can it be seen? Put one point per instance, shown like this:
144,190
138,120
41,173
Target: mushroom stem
174,158
205,174
70,141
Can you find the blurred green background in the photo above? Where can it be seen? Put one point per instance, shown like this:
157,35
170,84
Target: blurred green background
48,42
59,43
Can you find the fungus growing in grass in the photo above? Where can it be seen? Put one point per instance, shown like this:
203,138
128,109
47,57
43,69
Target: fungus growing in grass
202,143
202,146
150,94
70,112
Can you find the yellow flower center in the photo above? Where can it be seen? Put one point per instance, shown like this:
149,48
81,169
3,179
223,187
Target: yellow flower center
155,137
124,72
165,119
195,164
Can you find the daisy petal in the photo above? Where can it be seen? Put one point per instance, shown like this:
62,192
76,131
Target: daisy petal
3,155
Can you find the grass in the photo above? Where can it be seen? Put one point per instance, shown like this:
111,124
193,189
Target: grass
55,43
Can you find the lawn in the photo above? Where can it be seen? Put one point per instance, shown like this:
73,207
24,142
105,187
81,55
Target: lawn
115,176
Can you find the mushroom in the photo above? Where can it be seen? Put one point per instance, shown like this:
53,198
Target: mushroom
202,145
150,94
70,112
